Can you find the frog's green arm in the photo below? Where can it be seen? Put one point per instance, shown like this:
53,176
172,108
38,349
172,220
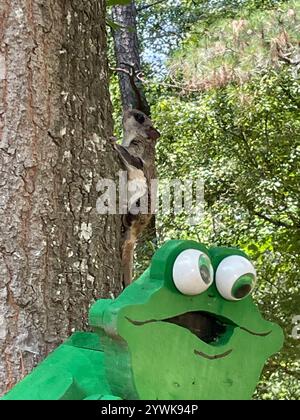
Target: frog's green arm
74,371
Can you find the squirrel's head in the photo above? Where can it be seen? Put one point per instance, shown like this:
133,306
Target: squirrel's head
137,124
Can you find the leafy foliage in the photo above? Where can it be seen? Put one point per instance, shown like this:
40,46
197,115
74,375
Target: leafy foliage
163,25
117,2
244,142
235,50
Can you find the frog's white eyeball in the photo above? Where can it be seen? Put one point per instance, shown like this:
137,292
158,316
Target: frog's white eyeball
192,272
235,278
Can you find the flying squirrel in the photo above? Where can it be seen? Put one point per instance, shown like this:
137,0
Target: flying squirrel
137,153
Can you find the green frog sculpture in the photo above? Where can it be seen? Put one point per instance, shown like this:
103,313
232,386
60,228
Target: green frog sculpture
187,329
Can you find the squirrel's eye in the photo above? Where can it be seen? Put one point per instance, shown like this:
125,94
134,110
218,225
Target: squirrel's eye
139,118
192,272
235,277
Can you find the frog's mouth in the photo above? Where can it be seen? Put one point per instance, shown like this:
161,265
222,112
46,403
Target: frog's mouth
210,328
206,326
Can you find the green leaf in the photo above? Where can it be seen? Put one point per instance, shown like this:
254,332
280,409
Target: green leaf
117,2
116,26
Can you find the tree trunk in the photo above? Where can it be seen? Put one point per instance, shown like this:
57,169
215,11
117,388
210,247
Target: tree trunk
127,52
57,255
126,46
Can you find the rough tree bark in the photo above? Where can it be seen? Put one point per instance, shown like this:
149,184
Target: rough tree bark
127,52
57,255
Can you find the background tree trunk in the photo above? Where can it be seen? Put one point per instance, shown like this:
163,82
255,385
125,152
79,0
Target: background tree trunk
127,52
56,253
126,45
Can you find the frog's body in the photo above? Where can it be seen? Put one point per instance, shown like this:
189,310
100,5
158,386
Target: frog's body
170,335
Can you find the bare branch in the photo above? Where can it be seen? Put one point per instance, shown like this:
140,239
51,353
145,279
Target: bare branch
148,6
173,85
139,75
285,57
133,74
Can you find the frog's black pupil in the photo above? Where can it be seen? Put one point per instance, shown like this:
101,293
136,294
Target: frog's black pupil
204,271
139,118
242,291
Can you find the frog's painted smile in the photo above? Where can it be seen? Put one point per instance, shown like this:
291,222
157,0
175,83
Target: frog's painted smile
202,324
188,327
206,326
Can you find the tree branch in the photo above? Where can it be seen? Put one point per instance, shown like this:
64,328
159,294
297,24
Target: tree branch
140,76
285,58
133,74
148,6
289,60
274,222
